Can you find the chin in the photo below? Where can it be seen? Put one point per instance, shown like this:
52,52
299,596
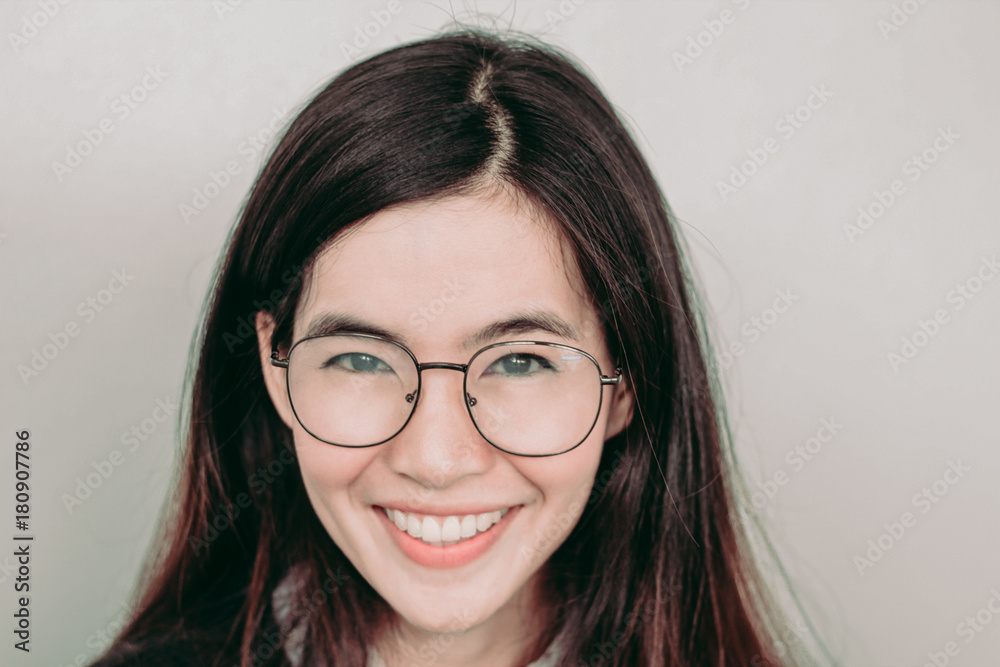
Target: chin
440,617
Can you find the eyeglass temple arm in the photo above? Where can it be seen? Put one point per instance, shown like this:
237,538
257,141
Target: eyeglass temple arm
275,361
604,379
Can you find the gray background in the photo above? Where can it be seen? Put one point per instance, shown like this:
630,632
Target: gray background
226,74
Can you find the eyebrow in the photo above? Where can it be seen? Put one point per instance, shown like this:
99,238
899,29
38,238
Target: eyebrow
518,323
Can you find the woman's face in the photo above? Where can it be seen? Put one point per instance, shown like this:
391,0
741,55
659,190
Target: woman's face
434,274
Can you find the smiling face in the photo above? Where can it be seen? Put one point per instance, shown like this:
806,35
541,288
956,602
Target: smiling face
433,275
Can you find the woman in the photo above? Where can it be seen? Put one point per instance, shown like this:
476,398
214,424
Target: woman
465,204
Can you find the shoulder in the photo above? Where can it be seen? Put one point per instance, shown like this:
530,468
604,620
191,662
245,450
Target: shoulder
162,651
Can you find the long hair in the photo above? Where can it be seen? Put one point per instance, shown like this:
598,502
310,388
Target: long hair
656,572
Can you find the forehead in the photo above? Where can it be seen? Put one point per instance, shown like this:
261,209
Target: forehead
447,267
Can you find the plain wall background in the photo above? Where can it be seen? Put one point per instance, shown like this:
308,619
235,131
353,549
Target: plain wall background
226,74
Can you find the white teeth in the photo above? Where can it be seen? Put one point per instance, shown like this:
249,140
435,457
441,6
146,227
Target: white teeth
430,530
450,530
469,525
412,525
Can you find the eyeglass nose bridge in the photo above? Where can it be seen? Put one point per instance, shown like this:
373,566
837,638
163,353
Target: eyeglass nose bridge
461,368
443,364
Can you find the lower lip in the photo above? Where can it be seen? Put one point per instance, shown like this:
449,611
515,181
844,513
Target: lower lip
455,555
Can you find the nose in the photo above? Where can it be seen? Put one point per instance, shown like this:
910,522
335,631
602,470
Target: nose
440,445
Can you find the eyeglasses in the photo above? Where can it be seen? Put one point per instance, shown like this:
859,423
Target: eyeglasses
525,398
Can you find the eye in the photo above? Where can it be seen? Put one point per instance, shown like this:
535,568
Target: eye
518,365
358,362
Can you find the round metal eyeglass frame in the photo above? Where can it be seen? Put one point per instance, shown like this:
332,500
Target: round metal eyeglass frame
469,401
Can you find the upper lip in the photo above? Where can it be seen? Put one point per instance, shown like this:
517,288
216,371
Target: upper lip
447,510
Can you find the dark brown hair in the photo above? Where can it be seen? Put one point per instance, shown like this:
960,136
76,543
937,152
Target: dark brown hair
656,572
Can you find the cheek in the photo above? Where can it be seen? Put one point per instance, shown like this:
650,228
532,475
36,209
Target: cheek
329,471
573,480
564,486
565,481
